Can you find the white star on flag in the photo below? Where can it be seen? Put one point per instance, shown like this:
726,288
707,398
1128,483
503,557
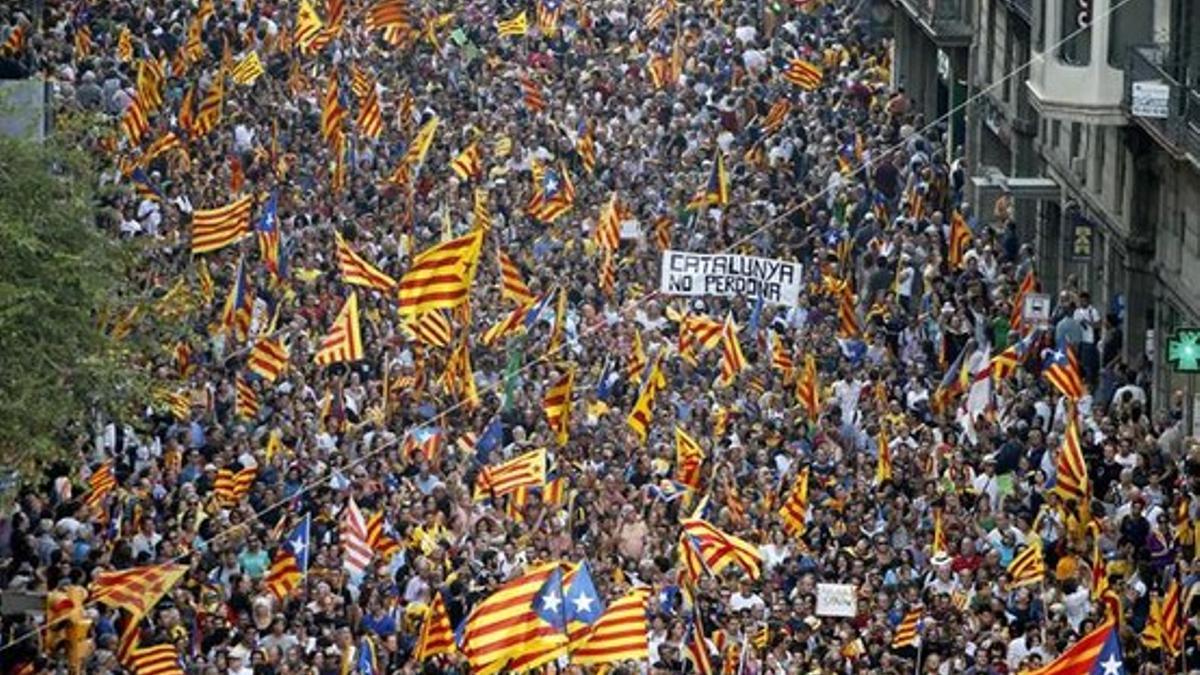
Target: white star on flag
583,603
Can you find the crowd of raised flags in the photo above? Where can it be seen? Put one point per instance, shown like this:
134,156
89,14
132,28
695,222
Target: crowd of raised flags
420,409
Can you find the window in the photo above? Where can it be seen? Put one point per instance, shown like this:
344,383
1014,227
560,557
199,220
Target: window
1075,32
1039,25
1098,160
1119,201
1055,134
1132,23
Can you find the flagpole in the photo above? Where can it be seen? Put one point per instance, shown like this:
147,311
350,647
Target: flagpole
920,645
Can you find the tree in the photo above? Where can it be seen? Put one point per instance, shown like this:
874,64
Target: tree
60,276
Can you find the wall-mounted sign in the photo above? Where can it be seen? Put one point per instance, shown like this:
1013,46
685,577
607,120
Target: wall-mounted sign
1150,98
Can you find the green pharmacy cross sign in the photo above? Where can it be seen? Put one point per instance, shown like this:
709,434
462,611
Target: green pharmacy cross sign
1183,350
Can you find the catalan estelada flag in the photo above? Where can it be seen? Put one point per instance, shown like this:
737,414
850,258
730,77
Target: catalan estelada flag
357,271
137,589
620,634
308,28
1027,566
214,229
1097,653
516,26
507,623
803,74
440,277
268,358
497,480
795,507
557,404
1062,371
437,636
343,343
247,70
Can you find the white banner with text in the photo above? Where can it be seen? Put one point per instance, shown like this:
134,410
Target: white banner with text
776,281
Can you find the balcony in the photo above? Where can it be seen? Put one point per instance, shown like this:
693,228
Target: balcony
947,22
1179,131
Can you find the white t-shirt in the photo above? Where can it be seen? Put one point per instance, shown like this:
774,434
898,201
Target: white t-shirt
738,602
1088,318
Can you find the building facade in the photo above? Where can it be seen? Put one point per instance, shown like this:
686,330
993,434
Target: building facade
1087,112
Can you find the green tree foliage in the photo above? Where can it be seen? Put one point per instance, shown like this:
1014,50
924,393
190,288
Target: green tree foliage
60,278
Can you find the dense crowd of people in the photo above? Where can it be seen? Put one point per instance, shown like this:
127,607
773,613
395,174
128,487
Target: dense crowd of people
850,183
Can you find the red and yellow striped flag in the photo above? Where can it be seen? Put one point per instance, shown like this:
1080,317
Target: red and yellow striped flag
431,328
246,401
908,632
643,409
161,659
440,277
608,225
135,121
421,143
497,480
776,116
469,163
939,532
512,286
586,147
458,378
209,114
517,26
557,404
781,360
370,117
732,359
100,484
332,111
808,389
1071,480
137,589
214,229
150,80
357,271
506,625
308,28
1028,566
268,358
284,575
437,636
804,74
343,343
620,634
719,549
795,507
848,325
689,459
388,14
532,92
247,70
